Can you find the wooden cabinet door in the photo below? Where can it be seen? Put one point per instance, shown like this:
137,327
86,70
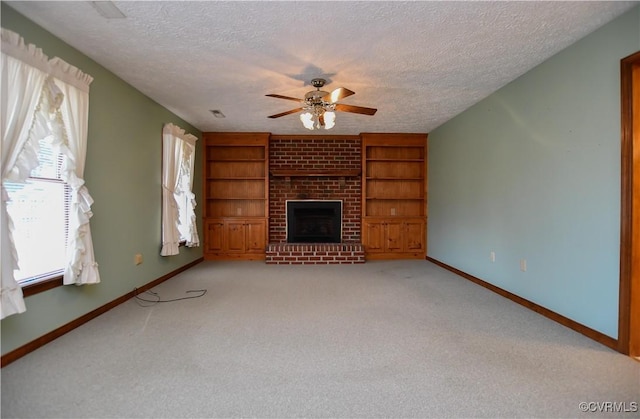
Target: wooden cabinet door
235,236
240,238
383,236
393,235
214,236
255,235
390,238
414,236
373,236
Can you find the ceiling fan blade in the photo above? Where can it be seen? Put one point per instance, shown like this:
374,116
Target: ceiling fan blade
355,109
337,94
278,115
285,97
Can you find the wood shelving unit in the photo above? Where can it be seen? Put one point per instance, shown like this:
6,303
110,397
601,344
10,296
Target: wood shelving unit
394,195
236,194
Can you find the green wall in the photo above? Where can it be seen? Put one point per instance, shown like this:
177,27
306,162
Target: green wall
533,172
123,175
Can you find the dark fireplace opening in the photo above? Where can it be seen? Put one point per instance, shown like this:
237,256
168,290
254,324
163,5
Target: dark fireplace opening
314,221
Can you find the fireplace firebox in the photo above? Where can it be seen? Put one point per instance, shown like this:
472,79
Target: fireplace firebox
312,221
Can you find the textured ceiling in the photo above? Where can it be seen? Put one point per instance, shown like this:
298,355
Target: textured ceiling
420,63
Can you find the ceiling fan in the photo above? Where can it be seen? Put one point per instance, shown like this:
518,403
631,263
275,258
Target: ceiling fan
319,106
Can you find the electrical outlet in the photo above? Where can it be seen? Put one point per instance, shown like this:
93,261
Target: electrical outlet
523,265
492,256
393,211
137,259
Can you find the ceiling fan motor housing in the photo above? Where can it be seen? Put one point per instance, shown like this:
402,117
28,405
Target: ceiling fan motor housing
314,103
313,100
315,96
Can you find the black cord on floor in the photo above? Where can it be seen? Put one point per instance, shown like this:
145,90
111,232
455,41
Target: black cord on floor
160,300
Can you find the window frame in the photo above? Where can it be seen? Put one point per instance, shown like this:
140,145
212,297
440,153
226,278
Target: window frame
55,278
178,169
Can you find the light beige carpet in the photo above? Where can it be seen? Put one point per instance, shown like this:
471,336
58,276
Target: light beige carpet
383,339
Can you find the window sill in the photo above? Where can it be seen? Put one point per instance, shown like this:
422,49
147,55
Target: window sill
41,286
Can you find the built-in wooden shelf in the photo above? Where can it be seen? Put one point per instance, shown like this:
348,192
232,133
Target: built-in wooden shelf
316,173
236,191
394,188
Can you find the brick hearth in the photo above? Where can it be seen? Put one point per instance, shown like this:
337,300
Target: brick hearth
314,254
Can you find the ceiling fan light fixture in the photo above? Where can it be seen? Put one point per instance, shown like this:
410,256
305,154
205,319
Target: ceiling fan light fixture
318,119
307,120
329,119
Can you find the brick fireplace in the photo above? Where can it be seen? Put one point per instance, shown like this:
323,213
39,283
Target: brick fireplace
323,168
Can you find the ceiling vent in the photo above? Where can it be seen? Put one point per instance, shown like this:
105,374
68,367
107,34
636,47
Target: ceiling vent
108,10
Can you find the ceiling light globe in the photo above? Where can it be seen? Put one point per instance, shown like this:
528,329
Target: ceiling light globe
329,119
307,120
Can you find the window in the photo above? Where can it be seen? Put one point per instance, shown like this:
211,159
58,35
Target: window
44,205
183,201
39,209
184,198
178,200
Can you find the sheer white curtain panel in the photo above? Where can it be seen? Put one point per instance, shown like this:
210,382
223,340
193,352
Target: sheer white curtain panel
178,154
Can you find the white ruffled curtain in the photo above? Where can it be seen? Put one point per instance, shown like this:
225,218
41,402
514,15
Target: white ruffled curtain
81,267
25,66
178,155
31,112
188,163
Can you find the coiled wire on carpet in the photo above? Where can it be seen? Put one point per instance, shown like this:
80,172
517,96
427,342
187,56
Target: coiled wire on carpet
160,300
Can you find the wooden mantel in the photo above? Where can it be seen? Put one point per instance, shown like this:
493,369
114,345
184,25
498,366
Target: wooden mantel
315,173
289,173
